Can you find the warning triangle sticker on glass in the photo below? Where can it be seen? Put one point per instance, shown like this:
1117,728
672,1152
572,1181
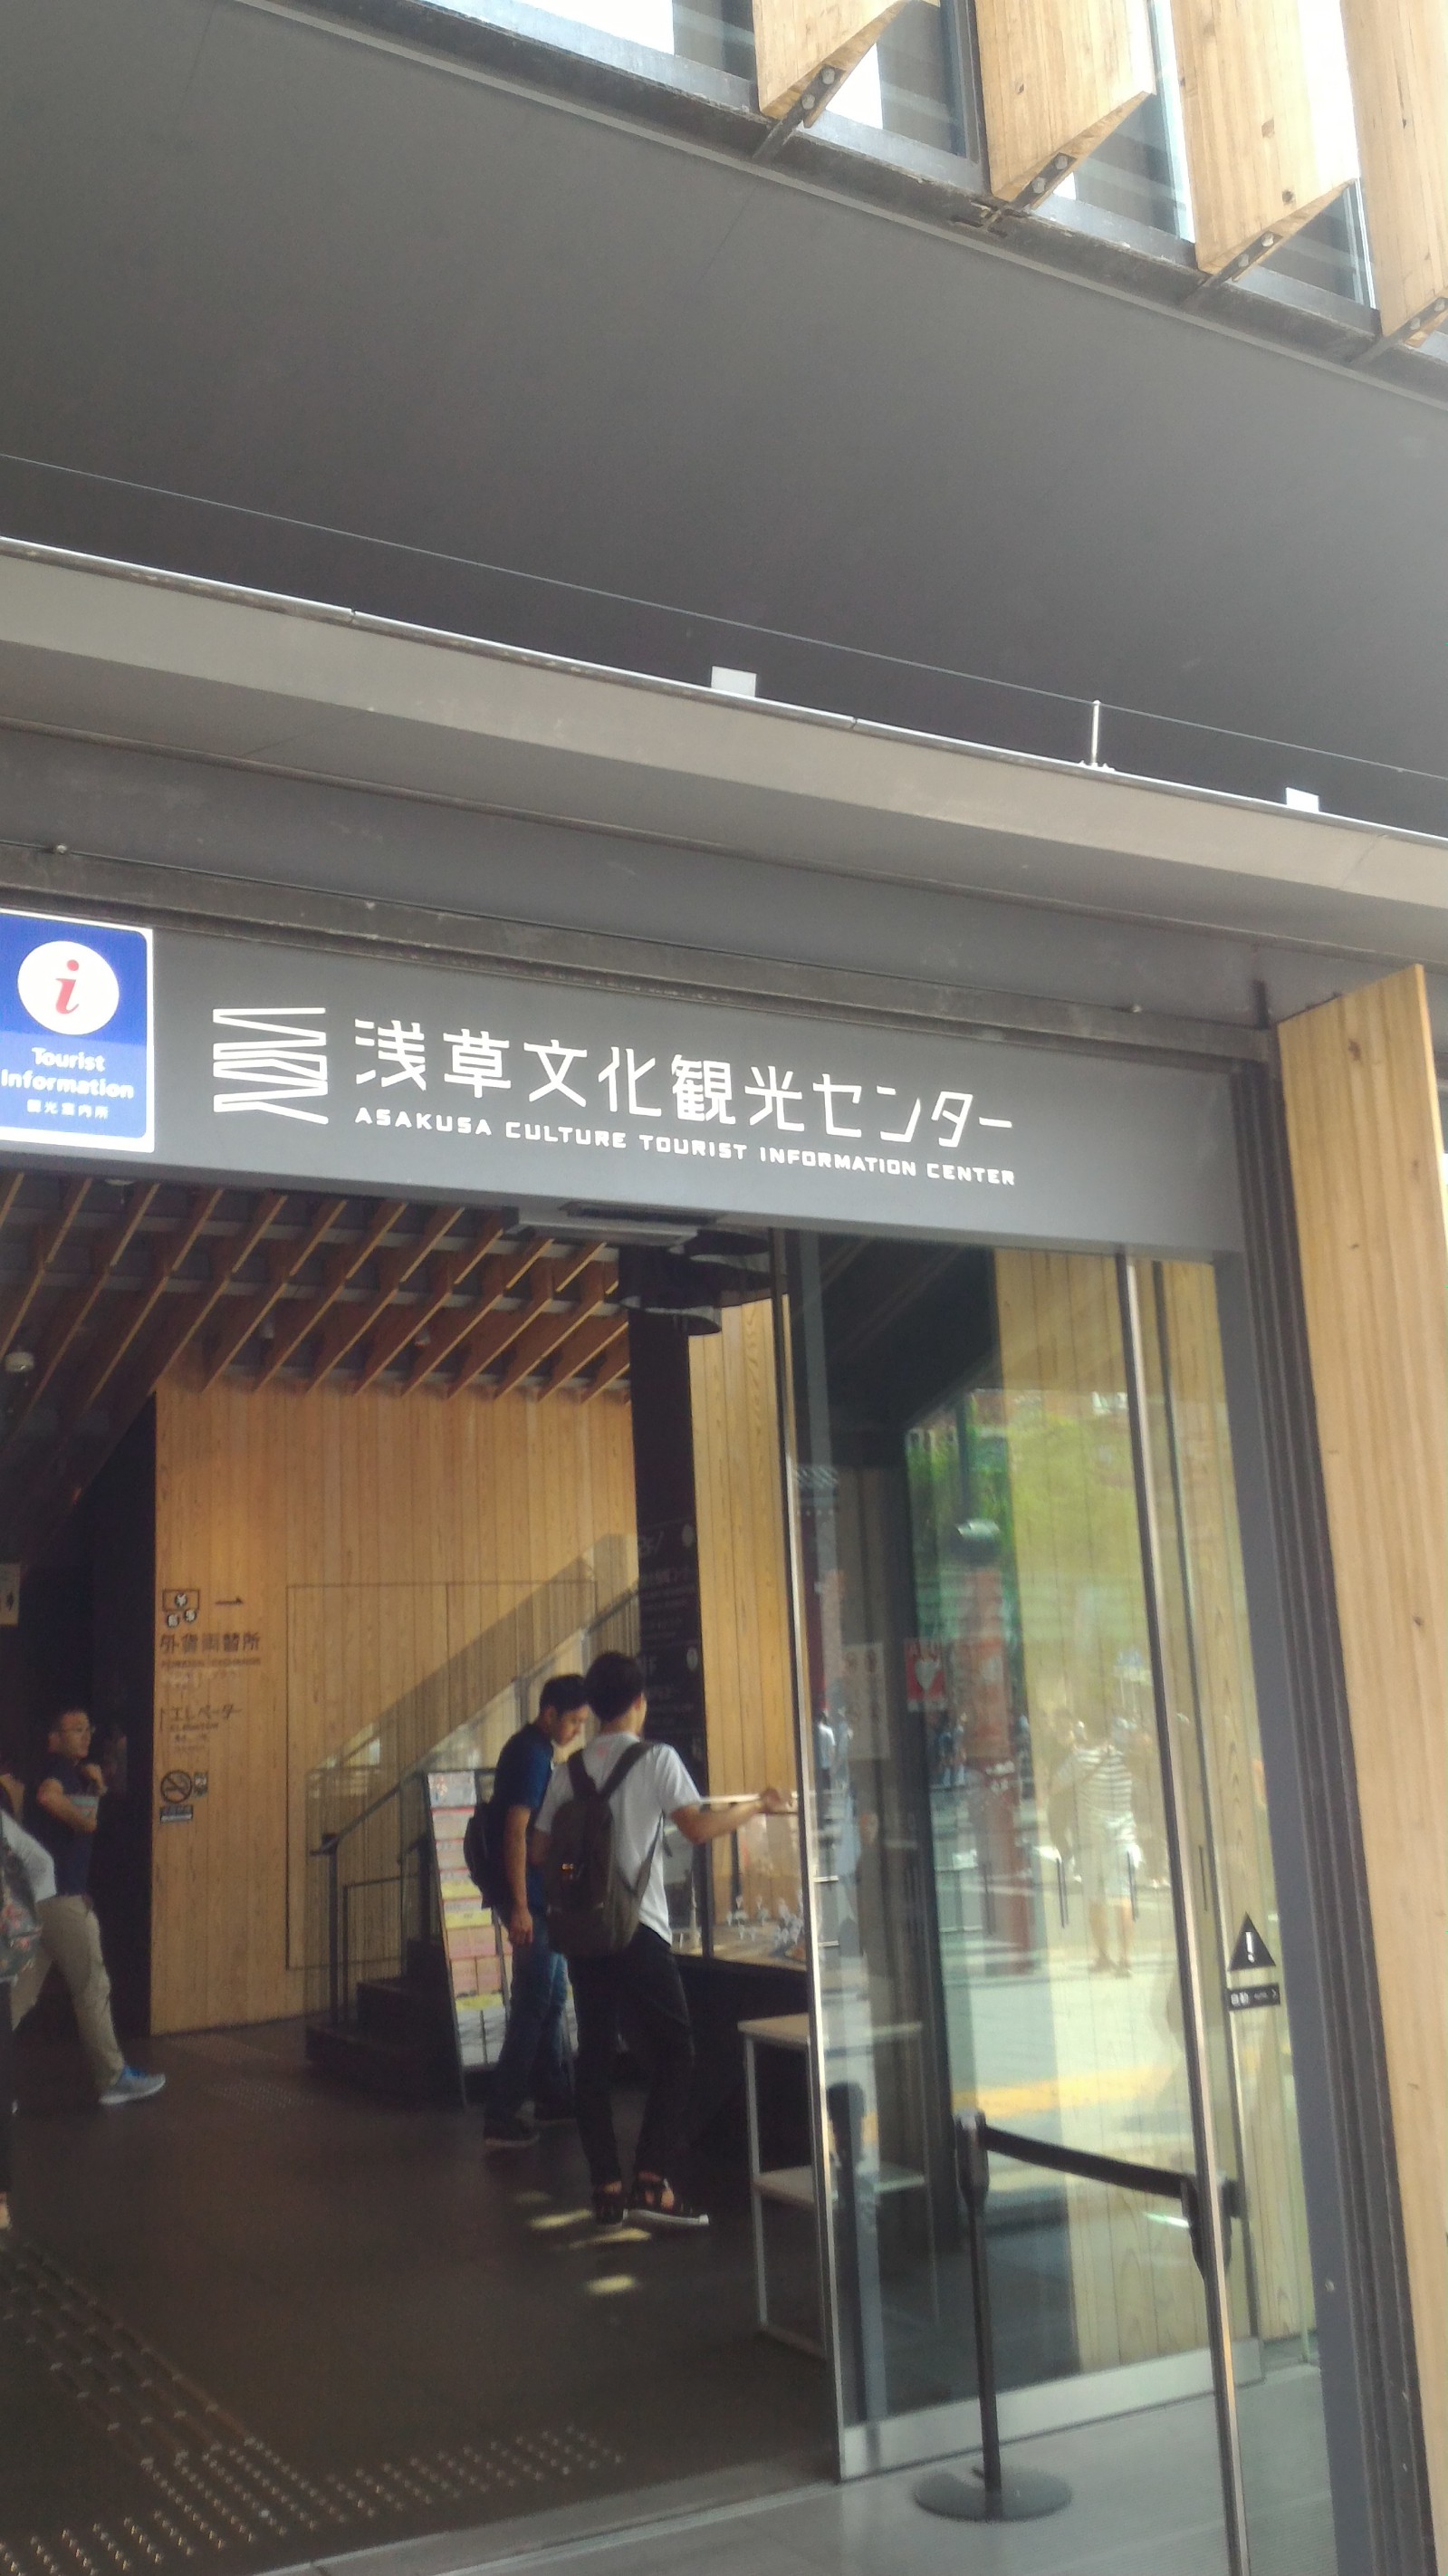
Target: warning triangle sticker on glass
1251,1950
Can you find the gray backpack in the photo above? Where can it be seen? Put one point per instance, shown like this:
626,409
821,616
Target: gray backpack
593,1910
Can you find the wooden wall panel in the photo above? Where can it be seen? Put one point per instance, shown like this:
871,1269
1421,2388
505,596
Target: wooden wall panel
743,1583
1267,117
1056,77
1366,1149
1397,53
346,1551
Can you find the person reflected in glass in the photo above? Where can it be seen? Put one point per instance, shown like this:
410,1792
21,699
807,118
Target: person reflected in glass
1098,1780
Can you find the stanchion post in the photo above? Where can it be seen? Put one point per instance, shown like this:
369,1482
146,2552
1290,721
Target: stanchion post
972,2165
990,2493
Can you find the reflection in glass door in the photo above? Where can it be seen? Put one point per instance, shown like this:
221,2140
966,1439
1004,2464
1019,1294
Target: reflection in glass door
1020,1583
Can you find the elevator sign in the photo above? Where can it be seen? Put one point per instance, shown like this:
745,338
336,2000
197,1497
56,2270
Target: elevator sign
75,1035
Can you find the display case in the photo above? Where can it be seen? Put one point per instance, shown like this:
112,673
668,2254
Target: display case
740,1898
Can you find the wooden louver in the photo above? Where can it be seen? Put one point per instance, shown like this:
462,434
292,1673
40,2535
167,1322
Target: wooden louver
794,40
1266,118
1056,77
1397,52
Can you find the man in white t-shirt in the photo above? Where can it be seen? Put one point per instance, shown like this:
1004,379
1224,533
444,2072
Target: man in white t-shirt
639,1985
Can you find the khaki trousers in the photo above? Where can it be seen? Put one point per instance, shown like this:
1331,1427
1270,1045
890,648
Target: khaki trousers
71,1939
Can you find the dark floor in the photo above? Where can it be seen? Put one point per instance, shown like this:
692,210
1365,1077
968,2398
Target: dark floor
259,2320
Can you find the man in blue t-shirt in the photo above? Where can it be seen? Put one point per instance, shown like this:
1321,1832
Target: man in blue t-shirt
534,2059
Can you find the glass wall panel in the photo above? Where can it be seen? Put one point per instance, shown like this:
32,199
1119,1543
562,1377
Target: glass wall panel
991,1860
992,1888
1214,1712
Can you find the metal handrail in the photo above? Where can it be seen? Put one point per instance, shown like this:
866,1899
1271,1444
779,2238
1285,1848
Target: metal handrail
329,1848
331,1843
521,1682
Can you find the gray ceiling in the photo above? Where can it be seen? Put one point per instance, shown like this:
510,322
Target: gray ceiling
258,263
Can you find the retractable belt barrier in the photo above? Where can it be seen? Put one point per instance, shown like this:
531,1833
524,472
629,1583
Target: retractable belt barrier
992,2493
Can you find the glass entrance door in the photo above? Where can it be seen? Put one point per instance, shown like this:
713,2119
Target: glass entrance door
1041,1883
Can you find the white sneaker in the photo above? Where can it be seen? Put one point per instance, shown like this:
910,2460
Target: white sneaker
131,2086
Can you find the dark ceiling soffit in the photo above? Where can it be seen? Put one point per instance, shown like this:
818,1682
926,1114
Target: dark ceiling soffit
522,657
184,899
582,82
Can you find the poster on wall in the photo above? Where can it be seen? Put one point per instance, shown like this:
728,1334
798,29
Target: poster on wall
209,1655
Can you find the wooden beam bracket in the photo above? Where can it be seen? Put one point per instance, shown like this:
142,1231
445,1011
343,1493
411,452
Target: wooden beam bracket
1209,287
807,108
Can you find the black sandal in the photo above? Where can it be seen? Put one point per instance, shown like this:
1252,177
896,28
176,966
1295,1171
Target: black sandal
608,2205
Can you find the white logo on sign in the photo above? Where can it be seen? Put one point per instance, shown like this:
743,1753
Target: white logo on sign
68,988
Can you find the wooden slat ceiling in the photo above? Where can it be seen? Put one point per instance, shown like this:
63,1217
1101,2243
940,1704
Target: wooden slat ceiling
104,1284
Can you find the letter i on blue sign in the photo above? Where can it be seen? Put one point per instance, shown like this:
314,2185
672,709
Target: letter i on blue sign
77,1064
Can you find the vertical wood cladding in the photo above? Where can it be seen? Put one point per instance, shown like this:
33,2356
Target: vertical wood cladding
743,1580
1366,1147
344,1551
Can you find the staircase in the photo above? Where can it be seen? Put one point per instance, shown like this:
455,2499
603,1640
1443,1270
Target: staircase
399,2042
379,2007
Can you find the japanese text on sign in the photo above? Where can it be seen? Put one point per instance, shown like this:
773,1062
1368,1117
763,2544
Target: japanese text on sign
284,1064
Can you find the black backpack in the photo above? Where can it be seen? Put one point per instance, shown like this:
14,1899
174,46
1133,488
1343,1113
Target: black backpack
483,1854
593,1910
475,1852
